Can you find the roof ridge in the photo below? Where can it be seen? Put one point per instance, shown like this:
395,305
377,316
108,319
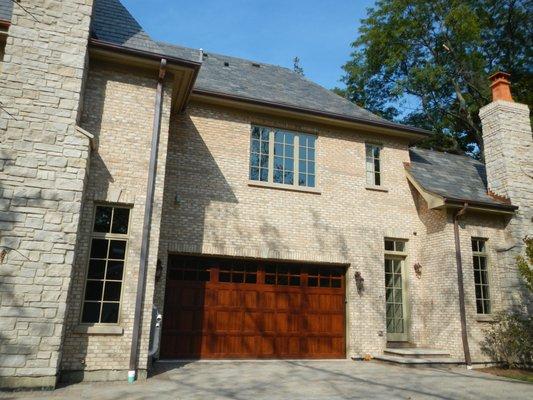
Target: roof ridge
463,156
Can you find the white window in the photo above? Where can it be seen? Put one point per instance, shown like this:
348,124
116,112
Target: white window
105,272
481,276
282,157
373,167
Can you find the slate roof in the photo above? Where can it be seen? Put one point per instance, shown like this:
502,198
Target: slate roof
268,83
452,176
447,175
6,9
113,23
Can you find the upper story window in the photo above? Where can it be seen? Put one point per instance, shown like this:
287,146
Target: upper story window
481,275
282,157
106,265
373,164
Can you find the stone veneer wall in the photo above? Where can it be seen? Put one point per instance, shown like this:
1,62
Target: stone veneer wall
220,214
509,159
118,110
42,169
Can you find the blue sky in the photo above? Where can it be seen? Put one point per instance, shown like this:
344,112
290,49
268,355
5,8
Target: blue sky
319,32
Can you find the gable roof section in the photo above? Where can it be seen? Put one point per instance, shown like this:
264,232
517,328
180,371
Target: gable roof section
240,79
456,178
247,80
6,10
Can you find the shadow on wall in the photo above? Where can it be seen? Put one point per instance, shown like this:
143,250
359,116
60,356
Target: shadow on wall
15,259
113,23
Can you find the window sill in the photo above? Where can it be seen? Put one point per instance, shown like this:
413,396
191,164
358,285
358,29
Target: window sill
376,188
485,318
99,329
280,186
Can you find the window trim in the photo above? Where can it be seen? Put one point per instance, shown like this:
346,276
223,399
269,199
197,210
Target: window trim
392,253
484,254
270,179
109,236
373,184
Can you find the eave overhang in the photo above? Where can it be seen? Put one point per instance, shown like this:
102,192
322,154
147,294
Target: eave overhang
438,202
184,72
4,26
412,134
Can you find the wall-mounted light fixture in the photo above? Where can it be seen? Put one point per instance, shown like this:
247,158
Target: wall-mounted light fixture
359,281
418,270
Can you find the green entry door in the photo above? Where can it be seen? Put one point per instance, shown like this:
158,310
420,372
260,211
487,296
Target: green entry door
395,299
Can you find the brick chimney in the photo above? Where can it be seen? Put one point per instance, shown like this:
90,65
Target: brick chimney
508,151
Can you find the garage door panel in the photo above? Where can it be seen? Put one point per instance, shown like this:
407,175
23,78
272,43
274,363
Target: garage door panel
239,309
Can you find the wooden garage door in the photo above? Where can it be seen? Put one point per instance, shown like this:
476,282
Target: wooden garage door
226,308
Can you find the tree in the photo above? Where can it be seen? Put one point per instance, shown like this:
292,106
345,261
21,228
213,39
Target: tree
427,63
297,67
524,264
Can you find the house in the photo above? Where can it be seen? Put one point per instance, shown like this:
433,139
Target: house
264,216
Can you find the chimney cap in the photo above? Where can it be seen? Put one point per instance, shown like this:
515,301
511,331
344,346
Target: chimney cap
501,86
500,74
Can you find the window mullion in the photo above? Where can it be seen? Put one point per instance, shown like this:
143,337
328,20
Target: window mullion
271,135
296,160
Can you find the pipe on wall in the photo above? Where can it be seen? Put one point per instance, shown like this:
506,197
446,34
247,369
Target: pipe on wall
150,190
460,284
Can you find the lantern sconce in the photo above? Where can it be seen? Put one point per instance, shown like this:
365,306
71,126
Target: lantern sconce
418,270
359,281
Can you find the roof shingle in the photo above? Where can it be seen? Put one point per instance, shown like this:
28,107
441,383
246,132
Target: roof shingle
451,176
6,10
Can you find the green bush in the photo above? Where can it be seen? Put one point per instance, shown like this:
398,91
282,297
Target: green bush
510,340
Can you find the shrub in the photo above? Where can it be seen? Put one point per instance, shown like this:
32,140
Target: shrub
510,340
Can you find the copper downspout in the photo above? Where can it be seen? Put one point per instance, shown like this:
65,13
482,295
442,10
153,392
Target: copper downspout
141,283
460,283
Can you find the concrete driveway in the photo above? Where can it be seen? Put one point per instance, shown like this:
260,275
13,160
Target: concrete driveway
298,380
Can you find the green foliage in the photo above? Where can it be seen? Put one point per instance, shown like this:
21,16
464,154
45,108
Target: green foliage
436,56
510,340
297,67
524,264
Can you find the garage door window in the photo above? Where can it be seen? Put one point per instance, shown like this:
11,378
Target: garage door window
188,269
325,277
238,273
282,275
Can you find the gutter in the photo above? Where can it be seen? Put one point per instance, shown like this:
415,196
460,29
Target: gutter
460,284
324,114
101,44
4,24
460,202
145,241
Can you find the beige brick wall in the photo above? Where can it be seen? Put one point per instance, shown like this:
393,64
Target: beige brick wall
119,111
42,171
219,213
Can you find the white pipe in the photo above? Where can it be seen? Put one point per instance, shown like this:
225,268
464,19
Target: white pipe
157,335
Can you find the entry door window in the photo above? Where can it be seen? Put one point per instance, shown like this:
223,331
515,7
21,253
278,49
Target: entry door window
395,290
394,295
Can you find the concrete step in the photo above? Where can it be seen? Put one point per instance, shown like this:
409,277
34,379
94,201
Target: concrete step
416,352
419,361
396,345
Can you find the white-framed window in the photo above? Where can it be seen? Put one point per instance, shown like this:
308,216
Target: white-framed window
481,275
373,164
282,157
105,272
